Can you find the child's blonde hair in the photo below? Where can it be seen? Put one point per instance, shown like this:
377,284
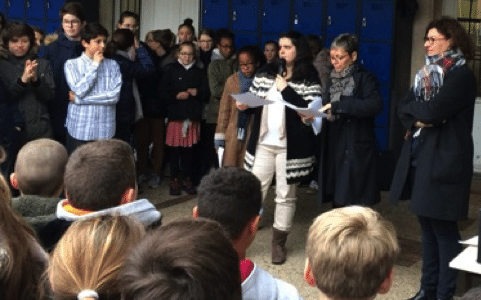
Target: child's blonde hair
351,252
91,255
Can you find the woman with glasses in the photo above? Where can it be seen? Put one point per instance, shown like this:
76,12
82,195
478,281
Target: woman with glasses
435,167
206,46
347,173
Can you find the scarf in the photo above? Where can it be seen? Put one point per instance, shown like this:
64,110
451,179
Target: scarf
243,116
342,84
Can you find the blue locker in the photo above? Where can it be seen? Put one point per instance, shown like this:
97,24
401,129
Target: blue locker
377,58
341,18
15,9
53,26
53,9
2,6
245,15
36,22
382,120
268,37
382,141
242,40
377,20
275,16
35,9
308,16
215,14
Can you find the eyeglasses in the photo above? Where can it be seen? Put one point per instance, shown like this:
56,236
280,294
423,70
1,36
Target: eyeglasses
205,41
338,58
226,46
75,22
186,54
432,40
246,64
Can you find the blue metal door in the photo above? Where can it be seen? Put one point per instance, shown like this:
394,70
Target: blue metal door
341,18
308,16
215,14
377,20
2,6
245,15
15,9
377,58
275,16
34,9
53,9
242,40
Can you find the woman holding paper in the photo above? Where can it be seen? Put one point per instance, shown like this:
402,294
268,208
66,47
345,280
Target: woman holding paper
280,142
435,167
347,172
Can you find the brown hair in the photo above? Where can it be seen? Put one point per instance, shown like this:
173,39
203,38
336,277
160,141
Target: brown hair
99,173
16,30
40,167
91,255
450,28
20,268
351,251
191,45
73,8
183,260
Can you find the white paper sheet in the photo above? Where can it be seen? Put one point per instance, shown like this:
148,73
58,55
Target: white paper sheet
470,242
251,99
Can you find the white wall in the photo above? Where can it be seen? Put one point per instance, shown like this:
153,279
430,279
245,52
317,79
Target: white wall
163,14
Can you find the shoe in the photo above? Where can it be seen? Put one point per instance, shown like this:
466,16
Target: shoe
188,187
279,251
174,187
424,295
154,181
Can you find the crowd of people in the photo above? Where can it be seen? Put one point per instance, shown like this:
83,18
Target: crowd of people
87,122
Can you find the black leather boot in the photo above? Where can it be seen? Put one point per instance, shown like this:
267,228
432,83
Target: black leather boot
424,295
279,251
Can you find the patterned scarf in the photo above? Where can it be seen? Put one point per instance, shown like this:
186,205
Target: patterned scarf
342,84
243,116
430,78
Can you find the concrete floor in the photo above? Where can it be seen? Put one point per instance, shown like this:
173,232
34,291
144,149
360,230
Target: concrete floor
406,270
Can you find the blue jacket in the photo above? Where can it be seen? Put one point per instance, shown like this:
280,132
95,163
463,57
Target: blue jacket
58,53
141,68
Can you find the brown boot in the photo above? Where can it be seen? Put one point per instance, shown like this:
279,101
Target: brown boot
279,250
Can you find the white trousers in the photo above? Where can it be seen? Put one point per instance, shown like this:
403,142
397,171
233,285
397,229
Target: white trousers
270,160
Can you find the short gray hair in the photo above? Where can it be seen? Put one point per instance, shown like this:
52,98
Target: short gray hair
347,41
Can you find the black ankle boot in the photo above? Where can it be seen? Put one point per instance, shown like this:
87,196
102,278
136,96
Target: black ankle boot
424,295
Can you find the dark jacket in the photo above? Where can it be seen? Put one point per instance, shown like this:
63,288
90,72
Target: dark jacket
348,153
152,106
58,53
37,211
442,178
31,98
141,68
10,117
177,79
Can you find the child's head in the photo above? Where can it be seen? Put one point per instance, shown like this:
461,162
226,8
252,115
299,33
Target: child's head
351,253
100,175
40,168
230,196
271,50
159,40
122,39
315,44
91,256
93,38
186,31
19,38
185,259
39,36
225,42
72,16
129,20
206,39
187,53
249,60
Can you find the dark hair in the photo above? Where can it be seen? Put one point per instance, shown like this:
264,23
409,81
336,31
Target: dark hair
230,196
315,44
93,30
207,31
189,44
452,29
183,260
253,52
224,33
73,8
303,67
99,173
272,42
129,14
188,23
17,29
347,41
163,37
122,39
3,21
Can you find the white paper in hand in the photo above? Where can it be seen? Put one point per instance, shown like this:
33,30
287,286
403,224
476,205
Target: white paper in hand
251,99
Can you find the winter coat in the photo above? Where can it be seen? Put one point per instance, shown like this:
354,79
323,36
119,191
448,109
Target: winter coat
442,178
348,160
217,73
10,117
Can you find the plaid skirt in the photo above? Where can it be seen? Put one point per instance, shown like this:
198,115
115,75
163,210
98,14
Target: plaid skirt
177,138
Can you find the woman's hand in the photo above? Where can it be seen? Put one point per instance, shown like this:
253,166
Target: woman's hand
420,124
241,106
281,83
192,91
182,95
327,110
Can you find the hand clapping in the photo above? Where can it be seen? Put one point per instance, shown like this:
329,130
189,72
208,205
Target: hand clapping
30,71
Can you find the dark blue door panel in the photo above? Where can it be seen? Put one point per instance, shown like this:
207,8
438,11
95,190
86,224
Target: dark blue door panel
35,22
242,40
53,9
215,14
275,16
245,15
382,139
15,9
308,16
2,6
377,20
377,58
34,9
341,17
52,26
382,120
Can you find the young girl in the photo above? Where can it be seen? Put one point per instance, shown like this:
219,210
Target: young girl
184,87
186,31
22,259
88,260
135,64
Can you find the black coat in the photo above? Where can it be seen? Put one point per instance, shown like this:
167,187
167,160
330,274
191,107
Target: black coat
348,160
442,178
